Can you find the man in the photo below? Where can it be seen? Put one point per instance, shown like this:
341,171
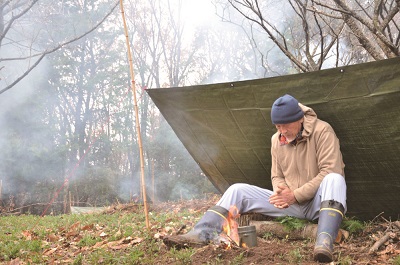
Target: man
307,176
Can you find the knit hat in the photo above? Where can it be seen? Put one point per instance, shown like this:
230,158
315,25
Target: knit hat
285,110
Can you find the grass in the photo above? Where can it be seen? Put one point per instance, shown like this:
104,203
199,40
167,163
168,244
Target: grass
352,225
295,256
292,223
86,239
122,237
344,260
396,261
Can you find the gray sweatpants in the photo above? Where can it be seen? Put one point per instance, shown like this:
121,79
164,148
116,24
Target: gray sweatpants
250,198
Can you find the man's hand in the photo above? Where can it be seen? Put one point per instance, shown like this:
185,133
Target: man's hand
283,197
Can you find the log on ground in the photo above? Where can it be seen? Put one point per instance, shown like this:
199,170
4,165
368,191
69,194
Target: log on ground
281,231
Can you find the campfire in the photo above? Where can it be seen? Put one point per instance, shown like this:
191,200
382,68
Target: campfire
230,235
235,236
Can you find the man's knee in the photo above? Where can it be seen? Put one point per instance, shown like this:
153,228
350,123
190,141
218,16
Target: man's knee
333,179
333,187
236,187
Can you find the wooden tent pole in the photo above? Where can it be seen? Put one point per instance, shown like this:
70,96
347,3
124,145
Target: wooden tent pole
152,181
133,86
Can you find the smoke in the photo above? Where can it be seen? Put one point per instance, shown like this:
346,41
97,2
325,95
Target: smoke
18,111
10,71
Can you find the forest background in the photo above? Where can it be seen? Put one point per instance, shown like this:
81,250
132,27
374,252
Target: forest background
67,121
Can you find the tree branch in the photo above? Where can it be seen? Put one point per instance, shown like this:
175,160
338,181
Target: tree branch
282,46
392,50
57,48
14,18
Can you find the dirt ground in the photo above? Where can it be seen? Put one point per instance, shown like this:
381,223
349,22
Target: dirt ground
356,249
288,252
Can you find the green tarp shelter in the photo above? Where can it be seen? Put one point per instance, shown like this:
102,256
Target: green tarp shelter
226,127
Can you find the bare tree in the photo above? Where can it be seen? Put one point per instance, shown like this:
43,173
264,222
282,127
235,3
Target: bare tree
20,44
311,33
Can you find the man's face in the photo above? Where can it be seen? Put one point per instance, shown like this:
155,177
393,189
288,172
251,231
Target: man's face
289,130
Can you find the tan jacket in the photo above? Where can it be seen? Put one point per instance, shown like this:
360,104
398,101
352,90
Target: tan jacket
302,167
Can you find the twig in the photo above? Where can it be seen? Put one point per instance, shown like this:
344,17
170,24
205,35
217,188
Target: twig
180,229
397,223
233,242
386,220
377,217
380,242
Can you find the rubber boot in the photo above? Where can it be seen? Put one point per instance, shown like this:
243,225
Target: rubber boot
330,217
205,231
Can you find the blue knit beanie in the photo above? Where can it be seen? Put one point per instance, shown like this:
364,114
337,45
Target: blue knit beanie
285,110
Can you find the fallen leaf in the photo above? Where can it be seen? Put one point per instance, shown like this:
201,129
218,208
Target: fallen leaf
342,235
99,244
137,240
15,262
27,235
72,233
118,234
87,227
52,238
388,249
74,226
168,229
118,247
49,251
160,235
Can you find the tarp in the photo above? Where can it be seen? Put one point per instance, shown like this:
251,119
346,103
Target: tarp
227,129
